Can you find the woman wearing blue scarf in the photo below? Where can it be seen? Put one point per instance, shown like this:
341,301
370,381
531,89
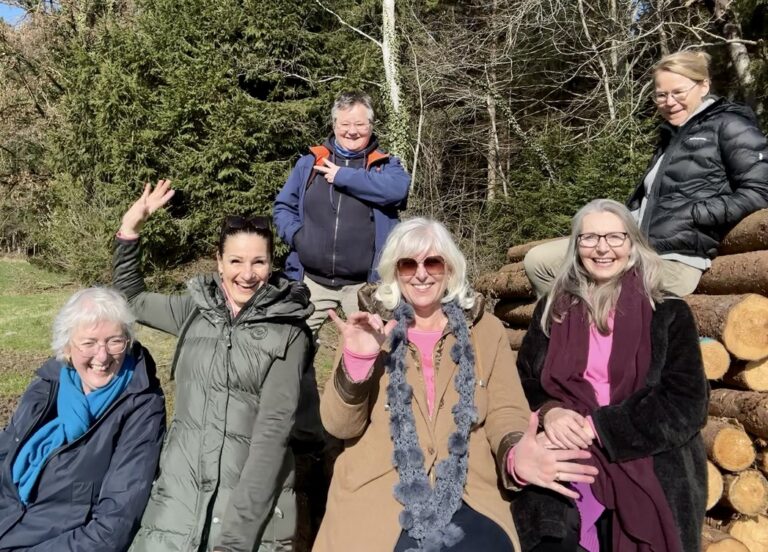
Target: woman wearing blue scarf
79,455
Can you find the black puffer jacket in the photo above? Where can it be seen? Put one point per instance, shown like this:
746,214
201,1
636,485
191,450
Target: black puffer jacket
714,173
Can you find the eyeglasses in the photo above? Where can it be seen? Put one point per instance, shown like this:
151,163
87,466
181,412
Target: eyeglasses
360,127
113,346
236,222
434,265
613,239
677,95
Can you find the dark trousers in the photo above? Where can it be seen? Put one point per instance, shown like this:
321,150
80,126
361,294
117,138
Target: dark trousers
480,533
570,543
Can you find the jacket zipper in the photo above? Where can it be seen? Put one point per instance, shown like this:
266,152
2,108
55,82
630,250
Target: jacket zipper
336,234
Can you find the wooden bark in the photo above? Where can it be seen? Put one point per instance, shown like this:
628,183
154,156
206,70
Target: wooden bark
740,273
517,253
516,313
509,282
515,337
714,485
750,408
716,358
746,492
752,375
740,322
751,234
752,531
728,445
762,461
714,540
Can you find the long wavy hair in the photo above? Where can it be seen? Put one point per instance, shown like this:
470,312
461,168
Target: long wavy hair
574,284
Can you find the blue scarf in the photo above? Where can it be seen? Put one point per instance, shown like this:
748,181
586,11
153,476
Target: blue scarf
76,412
348,154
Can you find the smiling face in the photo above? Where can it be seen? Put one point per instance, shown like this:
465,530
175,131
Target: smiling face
89,348
690,94
604,262
244,266
424,288
352,129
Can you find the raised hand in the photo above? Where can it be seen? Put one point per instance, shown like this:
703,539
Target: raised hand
150,201
545,467
568,429
328,169
363,333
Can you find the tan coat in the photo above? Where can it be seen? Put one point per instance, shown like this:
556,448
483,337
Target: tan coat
362,513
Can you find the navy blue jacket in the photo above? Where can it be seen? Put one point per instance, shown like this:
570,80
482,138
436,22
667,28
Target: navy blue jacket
92,492
383,185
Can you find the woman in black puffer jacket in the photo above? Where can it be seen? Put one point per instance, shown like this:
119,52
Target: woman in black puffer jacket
709,171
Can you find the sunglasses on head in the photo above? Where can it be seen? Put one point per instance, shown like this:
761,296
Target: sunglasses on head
236,222
434,265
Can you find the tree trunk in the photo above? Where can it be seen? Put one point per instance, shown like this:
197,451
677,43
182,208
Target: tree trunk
753,532
751,234
740,322
752,375
715,357
728,445
748,407
398,118
515,313
746,492
740,273
714,540
517,253
714,485
510,281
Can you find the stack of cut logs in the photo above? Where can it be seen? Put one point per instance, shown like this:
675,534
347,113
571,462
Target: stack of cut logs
731,310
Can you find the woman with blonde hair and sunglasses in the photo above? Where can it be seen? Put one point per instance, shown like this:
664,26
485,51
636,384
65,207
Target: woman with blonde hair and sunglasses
435,423
709,171
612,365
225,481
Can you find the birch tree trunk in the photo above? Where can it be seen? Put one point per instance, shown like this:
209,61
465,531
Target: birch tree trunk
397,124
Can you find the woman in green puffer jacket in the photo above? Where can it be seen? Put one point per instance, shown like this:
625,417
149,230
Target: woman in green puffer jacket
226,471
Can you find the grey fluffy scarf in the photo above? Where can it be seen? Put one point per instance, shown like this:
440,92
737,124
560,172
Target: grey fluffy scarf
427,511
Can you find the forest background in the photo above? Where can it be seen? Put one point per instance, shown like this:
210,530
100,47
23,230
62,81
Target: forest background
510,114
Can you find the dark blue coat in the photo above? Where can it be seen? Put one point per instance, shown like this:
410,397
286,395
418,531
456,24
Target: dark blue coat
383,185
92,492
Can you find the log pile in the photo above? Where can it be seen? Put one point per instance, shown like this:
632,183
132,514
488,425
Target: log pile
730,306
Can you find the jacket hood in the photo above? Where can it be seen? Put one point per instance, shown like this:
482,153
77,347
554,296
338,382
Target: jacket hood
369,303
144,373
279,300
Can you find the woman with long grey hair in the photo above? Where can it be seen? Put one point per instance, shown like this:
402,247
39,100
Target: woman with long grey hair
613,366
431,410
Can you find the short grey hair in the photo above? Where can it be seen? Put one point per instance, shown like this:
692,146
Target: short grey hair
415,237
87,307
347,100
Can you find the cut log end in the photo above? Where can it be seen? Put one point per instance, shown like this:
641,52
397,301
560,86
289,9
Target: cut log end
714,540
752,531
746,492
715,357
752,376
714,485
727,445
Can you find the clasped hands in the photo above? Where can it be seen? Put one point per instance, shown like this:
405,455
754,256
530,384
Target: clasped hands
556,455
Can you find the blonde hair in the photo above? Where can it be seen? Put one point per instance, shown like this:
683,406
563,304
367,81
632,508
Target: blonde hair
692,64
412,238
575,285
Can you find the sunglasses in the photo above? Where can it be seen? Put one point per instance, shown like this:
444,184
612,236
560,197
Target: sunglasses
236,222
434,266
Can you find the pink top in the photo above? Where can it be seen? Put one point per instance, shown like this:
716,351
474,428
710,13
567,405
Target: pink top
359,366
